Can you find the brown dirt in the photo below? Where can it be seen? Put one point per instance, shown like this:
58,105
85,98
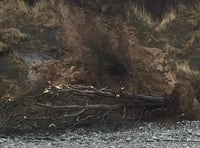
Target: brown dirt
142,73
94,49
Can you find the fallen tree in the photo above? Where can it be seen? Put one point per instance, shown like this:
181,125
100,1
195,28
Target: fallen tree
76,105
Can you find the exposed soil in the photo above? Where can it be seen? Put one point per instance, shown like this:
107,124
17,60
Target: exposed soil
61,43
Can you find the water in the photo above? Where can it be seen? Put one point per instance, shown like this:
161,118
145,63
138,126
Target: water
145,135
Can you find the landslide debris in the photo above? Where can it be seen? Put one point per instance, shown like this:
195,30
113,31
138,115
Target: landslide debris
106,44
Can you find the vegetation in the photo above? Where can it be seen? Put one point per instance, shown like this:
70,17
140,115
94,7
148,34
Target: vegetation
21,23
119,56
109,61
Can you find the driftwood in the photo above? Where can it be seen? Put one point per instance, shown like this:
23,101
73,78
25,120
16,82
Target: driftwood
74,105
121,99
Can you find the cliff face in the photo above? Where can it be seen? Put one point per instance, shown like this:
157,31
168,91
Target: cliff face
140,47
109,53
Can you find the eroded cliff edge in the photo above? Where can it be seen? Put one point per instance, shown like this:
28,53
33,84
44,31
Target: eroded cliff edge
106,44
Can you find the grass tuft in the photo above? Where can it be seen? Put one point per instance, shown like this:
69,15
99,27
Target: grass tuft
168,17
13,35
184,70
3,47
141,15
43,14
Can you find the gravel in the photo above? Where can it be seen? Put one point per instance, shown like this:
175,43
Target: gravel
141,135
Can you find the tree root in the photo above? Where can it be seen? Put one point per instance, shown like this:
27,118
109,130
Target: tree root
76,104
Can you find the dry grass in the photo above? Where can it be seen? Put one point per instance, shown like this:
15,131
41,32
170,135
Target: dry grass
3,47
184,32
17,18
21,7
13,36
141,14
184,68
42,13
169,17
11,9
194,37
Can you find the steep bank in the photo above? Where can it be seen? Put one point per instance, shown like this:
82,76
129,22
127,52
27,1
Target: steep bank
105,44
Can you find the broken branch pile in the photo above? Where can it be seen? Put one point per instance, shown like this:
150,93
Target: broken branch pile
77,105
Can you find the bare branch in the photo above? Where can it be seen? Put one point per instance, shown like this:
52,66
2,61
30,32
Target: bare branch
75,114
88,92
124,114
84,119
97,106
150,98
91,91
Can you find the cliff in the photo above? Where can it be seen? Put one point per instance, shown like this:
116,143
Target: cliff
147,48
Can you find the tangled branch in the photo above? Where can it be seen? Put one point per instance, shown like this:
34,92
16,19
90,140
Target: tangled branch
76,104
